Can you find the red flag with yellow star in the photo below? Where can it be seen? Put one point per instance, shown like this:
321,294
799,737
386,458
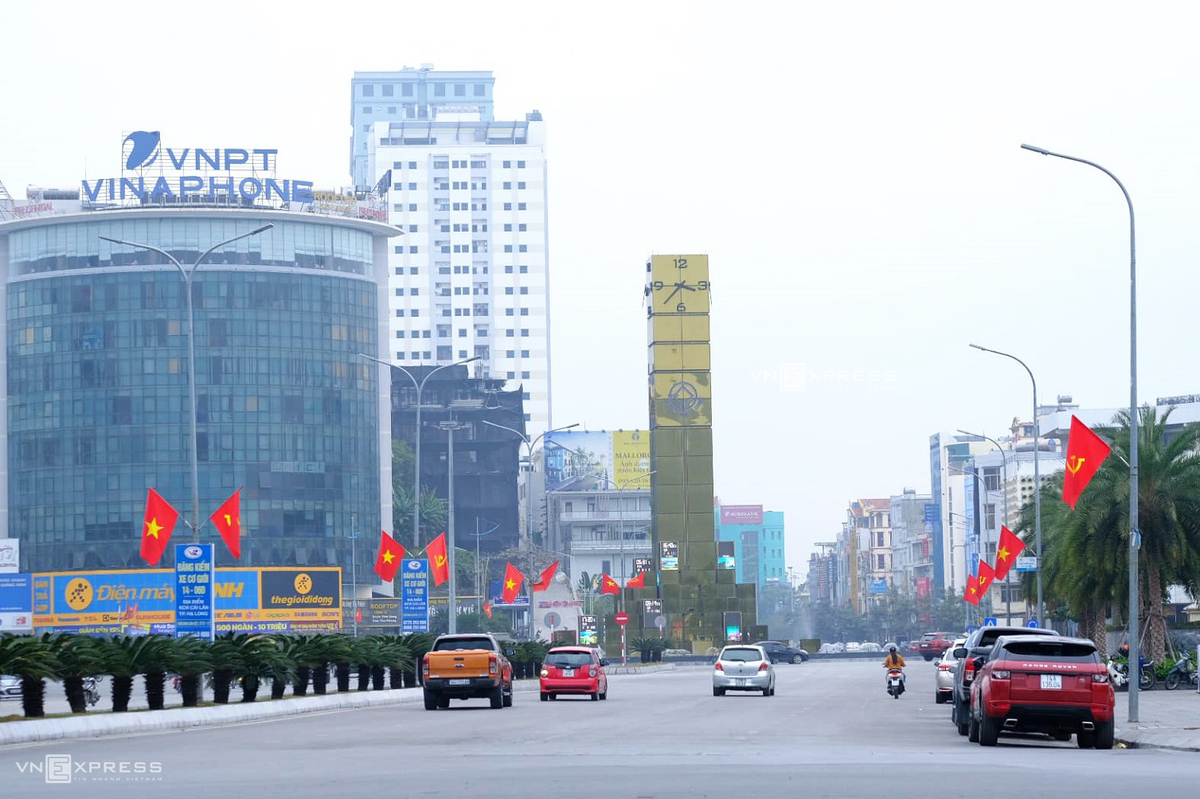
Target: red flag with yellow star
156,527
512,583
389,557
487,609
228,522
608,585
1006,552
972,594
439,564
543,583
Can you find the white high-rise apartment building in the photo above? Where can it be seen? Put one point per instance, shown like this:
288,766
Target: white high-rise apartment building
470,277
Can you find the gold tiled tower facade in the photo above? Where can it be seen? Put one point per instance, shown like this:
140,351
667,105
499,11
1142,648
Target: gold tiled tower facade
701,604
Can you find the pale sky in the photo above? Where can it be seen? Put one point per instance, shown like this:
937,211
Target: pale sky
853,170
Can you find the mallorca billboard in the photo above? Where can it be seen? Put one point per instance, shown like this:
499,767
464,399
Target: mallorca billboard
595,460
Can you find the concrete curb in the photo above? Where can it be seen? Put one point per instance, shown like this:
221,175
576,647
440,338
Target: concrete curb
145,721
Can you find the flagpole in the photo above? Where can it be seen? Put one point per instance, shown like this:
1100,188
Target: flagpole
1004,494
353,573
1135,536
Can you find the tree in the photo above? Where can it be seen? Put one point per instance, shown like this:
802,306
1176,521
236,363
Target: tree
1086,551
32,659
78,657
127,656
193,659
433,508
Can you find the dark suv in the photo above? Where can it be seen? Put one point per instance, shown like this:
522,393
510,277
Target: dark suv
1041,683
782,653
979,644
933,645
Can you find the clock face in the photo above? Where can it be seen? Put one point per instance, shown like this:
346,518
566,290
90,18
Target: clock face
678,284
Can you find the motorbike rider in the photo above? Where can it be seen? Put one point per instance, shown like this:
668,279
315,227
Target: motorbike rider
895,660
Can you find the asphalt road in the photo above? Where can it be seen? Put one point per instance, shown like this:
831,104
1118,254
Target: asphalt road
830,731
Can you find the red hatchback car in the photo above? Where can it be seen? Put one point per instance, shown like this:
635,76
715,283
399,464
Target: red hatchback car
1042,683
573,670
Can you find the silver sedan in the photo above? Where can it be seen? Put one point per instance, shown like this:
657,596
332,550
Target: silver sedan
743,667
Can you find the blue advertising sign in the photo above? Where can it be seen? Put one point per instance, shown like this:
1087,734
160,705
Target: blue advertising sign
194,590
931,512
879,586
414,596
16,602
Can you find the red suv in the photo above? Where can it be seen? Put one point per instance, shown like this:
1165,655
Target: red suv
573,670
933,645
1043,683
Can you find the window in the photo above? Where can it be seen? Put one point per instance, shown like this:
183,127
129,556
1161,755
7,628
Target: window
462,332
412,206
525,376
460,90
399,356
513,376
522,248
510,353
399,334
508,184
520,184
508,227
508,164
439,90
524,289
415,312
508,289
524,331
399,292
989,515
412,186
414,228
479,88
508,269
881,562
520,206
399,312
524,269
389,90
413,292
368,90
508,311
520,165
508,206
508,248
412,250
406,90
524,353
879,539
399,249
366,109
510,333
524,312
521,226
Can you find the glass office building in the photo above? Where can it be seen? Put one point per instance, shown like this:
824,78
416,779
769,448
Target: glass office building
96,383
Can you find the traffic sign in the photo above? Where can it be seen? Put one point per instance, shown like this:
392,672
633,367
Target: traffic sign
414,596
990,621
1032,623
552,619
622,618
1027,563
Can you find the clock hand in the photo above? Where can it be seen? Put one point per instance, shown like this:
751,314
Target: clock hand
672,294
685,286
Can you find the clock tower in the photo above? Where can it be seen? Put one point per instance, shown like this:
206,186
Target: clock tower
702,605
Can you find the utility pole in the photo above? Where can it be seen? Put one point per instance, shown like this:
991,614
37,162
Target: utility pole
354,574
452,599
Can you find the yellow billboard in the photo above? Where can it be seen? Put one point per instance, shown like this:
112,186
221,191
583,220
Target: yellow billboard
631,458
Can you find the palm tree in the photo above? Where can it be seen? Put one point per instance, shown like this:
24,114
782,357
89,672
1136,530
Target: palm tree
417,644
127,656
1092,541
226,663
33,660
397,659
282,668
339,652
258,657
159,658
305,653
193,659
78,656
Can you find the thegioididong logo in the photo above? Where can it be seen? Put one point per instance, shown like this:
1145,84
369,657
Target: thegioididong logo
64,768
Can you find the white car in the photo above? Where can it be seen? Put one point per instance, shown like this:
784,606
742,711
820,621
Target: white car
743,667
10,687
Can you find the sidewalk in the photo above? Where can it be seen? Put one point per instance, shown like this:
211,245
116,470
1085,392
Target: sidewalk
94,724
1166,720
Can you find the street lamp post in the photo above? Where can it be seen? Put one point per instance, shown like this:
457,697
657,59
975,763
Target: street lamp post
420,386
1037,481
621,538
354,573
1004,494
452,588
1135,536
188,275
529,444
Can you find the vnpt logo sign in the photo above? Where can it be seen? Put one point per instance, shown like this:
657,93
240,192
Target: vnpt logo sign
140,148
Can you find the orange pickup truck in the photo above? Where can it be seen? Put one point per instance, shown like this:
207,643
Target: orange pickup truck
471,666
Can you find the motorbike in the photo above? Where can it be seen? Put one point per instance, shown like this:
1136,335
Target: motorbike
895,682
91,690
177,684
1183,671
1118,674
